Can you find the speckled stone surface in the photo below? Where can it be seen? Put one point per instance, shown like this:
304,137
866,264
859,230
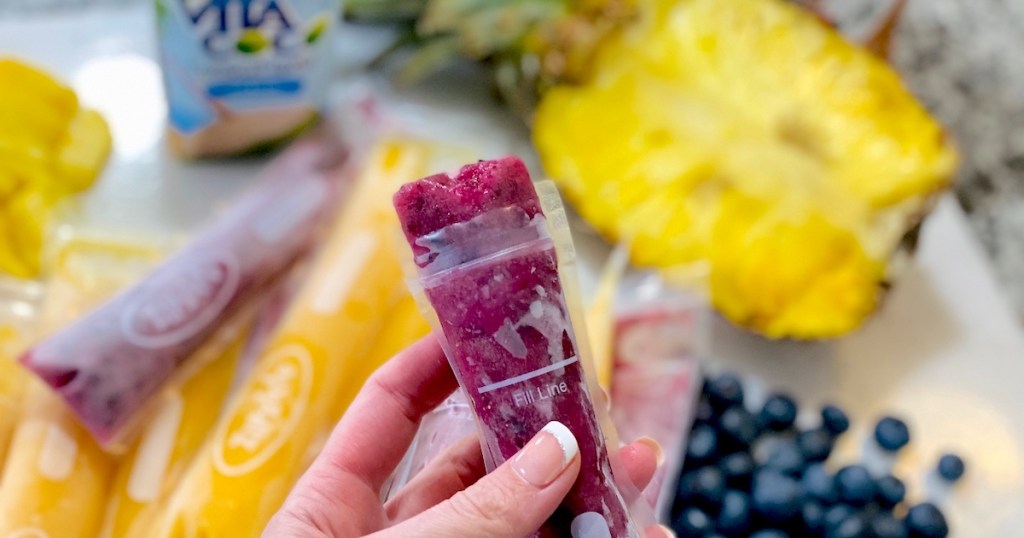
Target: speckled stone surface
965,60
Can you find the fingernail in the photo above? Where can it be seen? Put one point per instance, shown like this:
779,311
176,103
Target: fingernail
546,455
656,446
668,532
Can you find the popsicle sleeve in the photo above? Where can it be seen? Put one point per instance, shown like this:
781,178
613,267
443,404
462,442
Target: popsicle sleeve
404,326
488,266
12,381
56,478
181,423
259,446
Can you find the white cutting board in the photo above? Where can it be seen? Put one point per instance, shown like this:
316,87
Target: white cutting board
945,352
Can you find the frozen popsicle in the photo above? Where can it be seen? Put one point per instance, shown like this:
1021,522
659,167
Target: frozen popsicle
12,380
656,384
260,445
488,266
19,310
601,315
405,325
56,477
107,364
182,421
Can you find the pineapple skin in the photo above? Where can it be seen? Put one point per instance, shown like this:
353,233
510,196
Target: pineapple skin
748,139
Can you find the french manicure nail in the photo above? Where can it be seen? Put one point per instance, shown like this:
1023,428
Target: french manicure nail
546,455
656,446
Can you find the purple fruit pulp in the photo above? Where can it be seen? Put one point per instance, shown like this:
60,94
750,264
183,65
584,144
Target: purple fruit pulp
506,325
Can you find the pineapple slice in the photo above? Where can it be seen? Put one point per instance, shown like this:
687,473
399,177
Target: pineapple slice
83,151
50,148
749,138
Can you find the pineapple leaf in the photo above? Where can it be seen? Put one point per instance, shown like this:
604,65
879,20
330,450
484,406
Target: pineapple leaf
490,31
429,58
442,16
383,10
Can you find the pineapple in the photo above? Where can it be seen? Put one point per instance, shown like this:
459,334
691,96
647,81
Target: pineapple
742,141
50,148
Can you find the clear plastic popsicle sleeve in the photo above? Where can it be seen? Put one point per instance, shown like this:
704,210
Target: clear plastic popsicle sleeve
658,343
107,364
487,267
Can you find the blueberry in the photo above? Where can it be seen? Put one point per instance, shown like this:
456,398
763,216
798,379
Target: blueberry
702,445
835,515
885,525
769,533
704,413
889,491
892,434
737,427
692,523
724,391
951,467
834,420
786,458
737,469
775,497
818,484
926,521
854,485
703,487
853,526
734,516
815,444
813,515
778,413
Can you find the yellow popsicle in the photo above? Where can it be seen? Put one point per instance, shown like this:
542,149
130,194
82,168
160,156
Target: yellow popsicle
55,479
18,312
600,315
185,415
259,446
12,379
404,326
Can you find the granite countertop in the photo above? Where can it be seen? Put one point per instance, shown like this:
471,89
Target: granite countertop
961,58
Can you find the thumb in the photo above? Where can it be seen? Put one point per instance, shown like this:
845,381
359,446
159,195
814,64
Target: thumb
511,502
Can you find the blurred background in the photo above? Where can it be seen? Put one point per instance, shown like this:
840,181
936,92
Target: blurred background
957,56
800,256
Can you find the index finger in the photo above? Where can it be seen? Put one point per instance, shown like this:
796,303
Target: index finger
380,424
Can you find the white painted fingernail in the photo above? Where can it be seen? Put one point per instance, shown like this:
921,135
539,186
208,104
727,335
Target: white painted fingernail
544,458
566,440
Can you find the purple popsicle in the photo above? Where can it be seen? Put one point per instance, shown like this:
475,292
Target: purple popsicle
489,269
107,364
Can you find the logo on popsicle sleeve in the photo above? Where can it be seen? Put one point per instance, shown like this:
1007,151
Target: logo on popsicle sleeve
174,307
268,412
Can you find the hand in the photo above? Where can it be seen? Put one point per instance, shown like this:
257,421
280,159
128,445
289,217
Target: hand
339,496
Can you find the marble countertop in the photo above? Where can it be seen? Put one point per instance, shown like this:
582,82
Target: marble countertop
961,57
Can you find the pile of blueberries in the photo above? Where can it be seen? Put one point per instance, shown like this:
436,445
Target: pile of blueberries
754,474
